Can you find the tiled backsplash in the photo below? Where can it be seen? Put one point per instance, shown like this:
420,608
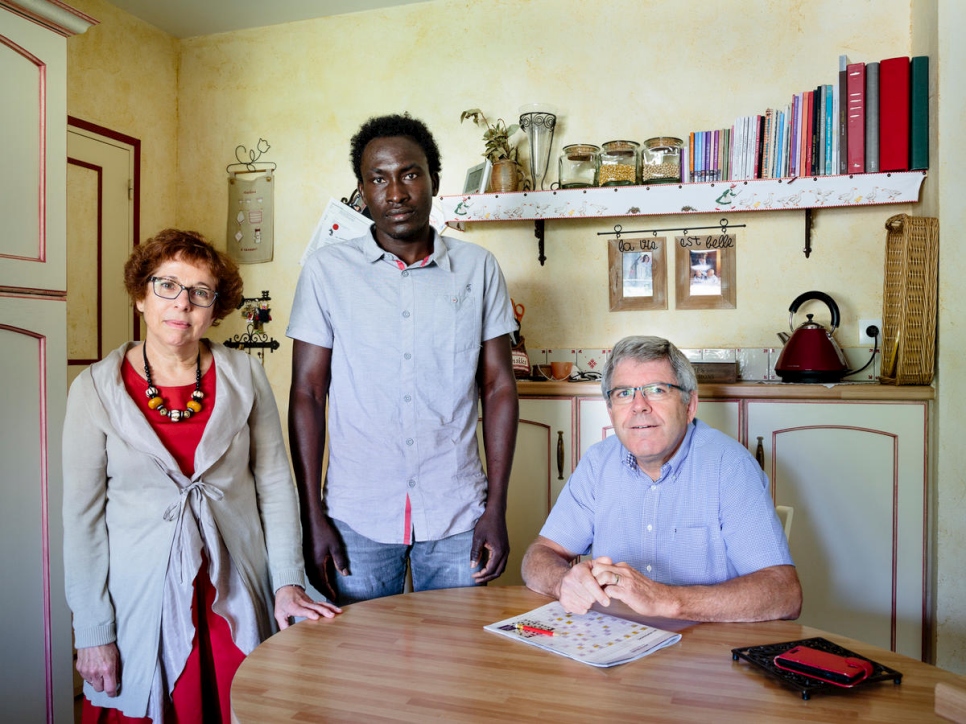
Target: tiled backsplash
755,364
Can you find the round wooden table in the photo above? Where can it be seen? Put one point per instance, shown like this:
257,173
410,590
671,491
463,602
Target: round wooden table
425,656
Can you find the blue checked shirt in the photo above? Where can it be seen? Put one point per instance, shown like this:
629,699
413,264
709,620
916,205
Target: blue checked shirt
707,519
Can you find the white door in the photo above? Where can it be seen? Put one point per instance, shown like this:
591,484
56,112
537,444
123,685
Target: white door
100,236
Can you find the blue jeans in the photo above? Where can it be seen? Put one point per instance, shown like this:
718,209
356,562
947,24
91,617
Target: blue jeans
379,569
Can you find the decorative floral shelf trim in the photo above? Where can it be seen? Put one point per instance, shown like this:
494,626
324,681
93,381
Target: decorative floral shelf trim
870,189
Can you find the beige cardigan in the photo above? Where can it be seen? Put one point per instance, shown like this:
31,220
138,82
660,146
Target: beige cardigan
120,488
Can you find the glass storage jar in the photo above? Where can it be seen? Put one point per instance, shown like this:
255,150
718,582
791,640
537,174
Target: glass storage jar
661,160
619,163
577,167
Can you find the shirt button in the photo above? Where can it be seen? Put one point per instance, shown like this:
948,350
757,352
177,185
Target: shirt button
405,273
648,569
650,527
653,487
406,315
407,356
412,483
408,398
409,441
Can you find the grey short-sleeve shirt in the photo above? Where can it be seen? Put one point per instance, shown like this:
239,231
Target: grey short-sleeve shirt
402,413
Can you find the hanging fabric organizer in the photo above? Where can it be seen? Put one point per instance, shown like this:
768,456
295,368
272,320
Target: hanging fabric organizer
251,206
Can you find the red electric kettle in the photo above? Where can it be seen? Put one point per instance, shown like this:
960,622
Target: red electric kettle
811,354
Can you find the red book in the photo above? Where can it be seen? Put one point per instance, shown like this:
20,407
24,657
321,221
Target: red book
894,114
855,125
809,118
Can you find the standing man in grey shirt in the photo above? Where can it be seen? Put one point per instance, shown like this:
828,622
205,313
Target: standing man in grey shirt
399,334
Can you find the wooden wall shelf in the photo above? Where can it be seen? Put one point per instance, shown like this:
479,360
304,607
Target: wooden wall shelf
784,194
812,192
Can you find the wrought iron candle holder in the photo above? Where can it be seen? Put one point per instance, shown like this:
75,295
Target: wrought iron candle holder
258,313
538,121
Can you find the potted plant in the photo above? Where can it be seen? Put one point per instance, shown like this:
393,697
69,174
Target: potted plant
500,152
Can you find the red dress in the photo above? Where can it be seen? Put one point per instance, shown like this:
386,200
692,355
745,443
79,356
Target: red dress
201,693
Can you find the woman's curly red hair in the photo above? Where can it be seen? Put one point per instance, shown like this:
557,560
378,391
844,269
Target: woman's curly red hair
192,248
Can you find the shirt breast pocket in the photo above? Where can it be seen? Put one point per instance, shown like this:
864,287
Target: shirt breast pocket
457,326
690,556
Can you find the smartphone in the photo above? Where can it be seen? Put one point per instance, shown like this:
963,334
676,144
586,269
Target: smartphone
830,668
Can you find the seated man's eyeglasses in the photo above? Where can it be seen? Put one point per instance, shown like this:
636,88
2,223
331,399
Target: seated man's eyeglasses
653,392
170,289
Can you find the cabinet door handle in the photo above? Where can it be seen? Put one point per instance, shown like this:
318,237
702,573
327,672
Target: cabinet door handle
560,455
760,453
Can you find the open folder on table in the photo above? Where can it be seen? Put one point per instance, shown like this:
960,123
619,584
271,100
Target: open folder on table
594,638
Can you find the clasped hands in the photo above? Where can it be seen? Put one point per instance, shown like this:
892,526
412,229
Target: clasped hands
599,580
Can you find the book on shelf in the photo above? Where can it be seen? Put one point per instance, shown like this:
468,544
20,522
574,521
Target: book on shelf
841,123
802,134
894,114
872,117
594,638
821,99
808,166
919,113
691,156
768,144
856,118
830,168
759,145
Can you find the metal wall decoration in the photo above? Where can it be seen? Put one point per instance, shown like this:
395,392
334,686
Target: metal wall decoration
258,313
251,207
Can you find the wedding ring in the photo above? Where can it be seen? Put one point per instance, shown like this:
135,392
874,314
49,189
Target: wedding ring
618,581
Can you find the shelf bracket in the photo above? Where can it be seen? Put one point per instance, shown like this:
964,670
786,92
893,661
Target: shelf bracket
809,221
539,231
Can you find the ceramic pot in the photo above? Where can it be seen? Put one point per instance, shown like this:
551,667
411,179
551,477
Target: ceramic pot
505,176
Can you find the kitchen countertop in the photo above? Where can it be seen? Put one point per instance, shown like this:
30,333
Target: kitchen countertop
860,391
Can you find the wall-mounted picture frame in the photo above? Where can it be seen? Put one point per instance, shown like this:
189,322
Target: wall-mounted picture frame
705,271
477,178
638,274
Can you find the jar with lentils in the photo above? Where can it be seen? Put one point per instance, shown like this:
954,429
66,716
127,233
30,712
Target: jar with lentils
619,163
661,160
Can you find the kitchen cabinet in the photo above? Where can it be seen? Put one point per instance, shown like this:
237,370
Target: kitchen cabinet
35,659
594,421
856,475
542,463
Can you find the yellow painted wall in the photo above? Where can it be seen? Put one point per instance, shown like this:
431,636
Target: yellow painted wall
615,69
123,74
306,87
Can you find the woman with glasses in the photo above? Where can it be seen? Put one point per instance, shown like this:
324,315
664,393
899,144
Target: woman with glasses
182,538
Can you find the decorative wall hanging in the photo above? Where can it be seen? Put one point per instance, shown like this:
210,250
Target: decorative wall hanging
258,313
251,207
705,268
638,273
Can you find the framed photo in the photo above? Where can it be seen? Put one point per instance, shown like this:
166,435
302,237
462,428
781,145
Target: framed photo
477,178
705,268
638,274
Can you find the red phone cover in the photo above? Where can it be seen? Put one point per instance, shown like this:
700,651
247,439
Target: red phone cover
845,671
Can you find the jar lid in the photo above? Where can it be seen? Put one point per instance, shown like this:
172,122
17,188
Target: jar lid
626,146
580,149
669,142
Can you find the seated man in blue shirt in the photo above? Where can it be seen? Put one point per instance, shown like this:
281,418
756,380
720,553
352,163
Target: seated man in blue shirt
683,509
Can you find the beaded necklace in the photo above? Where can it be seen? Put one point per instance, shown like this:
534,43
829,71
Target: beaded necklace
156,402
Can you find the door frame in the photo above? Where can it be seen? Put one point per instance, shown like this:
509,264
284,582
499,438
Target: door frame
134,144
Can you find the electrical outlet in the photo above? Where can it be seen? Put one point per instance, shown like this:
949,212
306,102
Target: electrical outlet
864,324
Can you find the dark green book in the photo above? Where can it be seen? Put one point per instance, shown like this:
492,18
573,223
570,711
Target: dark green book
919,113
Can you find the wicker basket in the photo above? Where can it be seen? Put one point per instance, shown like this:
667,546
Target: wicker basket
909,300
